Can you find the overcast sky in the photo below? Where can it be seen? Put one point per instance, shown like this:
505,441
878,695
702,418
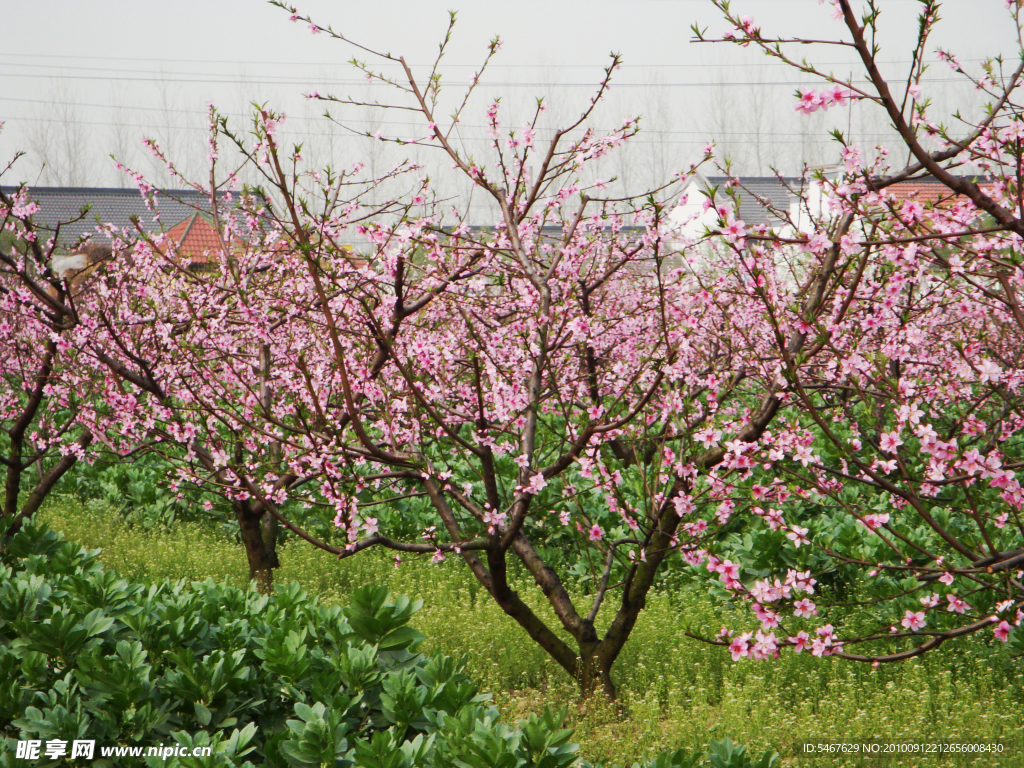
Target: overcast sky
83,80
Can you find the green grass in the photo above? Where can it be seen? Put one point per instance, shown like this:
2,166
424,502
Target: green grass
673,691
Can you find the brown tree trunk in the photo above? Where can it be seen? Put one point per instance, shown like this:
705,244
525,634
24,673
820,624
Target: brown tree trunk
16,435
270,528
42,490
594,672
12,487
260,549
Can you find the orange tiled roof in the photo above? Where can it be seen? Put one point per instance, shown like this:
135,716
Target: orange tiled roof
928,191
196,238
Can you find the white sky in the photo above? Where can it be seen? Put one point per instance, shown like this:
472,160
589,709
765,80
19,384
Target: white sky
87,79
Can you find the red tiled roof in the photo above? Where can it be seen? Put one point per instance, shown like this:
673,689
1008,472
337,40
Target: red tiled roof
196,237
929,192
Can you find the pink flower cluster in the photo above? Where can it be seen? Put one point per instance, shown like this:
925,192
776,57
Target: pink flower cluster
811,100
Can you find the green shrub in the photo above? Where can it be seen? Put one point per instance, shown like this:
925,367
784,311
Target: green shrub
139,492
282,680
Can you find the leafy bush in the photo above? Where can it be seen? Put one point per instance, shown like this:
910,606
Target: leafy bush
280,680
138,490
141,493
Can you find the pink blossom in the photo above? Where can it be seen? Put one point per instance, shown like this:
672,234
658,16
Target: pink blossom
1002,631
734,232
728,570
493,519
765,646
818,243
683,505
956,604
988,371
801,641
837,96
738,647
801,581
875,521
912,211
762,592
797,535
768,618
708,437
852,158
822,646
804,609
913,621
1004,605
890,441
810,101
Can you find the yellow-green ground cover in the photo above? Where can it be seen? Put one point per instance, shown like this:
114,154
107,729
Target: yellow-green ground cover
674,691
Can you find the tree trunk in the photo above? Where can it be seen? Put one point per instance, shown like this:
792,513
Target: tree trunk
42,490
260,549
594,672
270,528
13,485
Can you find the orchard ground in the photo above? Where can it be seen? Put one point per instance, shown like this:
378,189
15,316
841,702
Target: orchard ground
674,691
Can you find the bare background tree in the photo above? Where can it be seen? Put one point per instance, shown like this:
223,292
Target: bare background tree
58,138
101,104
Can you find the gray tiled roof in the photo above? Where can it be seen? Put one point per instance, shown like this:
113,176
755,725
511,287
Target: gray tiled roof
772,188
109,206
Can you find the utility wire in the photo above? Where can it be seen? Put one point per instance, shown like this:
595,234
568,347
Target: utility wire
493,65
212,78
320,118
810,139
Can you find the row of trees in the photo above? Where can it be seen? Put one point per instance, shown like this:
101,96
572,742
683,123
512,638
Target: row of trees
775,410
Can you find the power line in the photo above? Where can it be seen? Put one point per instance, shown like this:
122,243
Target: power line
264,62
489,84
318,118
705,134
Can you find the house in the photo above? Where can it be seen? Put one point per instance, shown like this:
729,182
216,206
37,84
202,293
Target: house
932,193
762,200
182,214
767,200
197,238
